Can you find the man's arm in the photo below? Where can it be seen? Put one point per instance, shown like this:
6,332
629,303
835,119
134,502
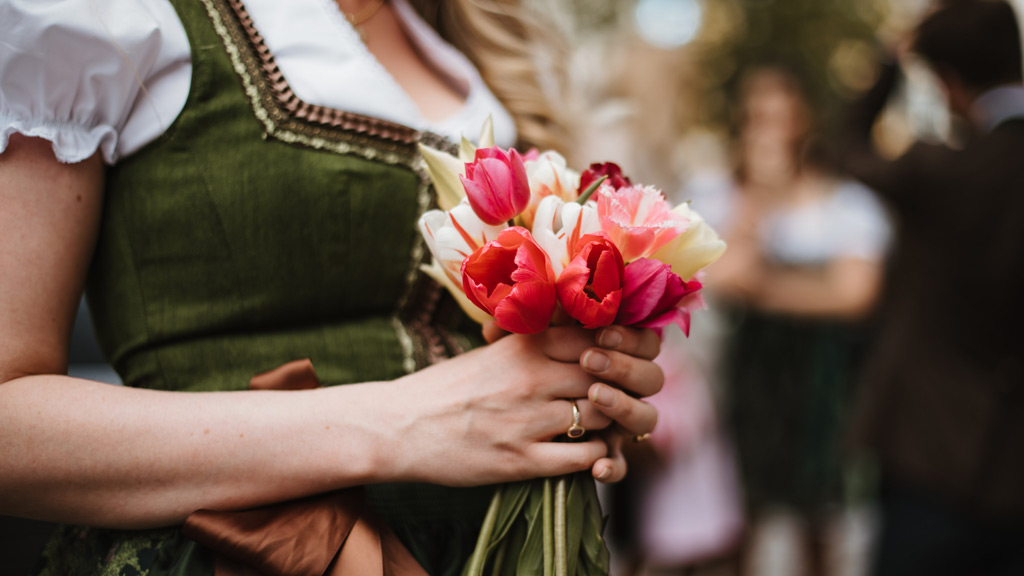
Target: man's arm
857,153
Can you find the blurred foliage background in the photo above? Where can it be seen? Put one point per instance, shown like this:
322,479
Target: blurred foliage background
652,83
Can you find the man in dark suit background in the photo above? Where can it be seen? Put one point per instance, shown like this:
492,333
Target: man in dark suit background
943,409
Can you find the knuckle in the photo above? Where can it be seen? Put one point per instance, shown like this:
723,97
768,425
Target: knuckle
625,407
601,421
579,460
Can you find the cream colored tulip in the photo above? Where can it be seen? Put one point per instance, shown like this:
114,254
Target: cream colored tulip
437,272
694,249
559,225
444,169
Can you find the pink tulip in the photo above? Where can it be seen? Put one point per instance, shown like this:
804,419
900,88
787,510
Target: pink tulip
654,297
590,287
638,219
496,185
511,279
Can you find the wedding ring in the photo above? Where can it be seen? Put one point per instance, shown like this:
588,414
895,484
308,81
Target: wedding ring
575,431
641,437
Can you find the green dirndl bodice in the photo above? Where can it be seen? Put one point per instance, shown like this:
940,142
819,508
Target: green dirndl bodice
256,231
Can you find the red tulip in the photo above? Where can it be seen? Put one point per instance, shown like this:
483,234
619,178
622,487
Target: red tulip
496,185
652,296
611,170
511,279
590,287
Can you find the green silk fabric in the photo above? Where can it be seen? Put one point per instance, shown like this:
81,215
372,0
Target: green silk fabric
225,252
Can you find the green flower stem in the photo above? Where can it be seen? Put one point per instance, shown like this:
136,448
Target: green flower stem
549,536
476,562
561,557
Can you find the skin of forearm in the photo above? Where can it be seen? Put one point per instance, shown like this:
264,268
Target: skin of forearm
111,456
845,291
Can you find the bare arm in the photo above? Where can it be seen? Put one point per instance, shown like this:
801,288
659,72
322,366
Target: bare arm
896,181
846,289
80,451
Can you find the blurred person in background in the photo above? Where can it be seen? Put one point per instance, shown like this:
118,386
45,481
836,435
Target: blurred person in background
804,265
944,403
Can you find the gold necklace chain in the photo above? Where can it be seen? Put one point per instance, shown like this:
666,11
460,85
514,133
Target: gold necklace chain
360,18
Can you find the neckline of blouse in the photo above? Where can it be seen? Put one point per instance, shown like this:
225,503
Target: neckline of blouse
437,53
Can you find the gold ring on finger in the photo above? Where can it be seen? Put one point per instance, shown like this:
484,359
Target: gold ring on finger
641,437
575,430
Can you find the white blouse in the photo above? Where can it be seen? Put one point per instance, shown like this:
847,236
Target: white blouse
114,74
849,223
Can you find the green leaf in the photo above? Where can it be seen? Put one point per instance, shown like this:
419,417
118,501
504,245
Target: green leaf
513,497
515,539
574,518
594,557
531,556
516,496
475,566
499,558
549,525
590,190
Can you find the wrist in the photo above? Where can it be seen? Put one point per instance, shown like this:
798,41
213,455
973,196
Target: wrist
371,442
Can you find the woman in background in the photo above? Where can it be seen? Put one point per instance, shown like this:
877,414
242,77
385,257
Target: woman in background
236,185
805,260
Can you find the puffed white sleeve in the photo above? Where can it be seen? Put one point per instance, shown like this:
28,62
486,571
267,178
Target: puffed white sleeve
864,229
78,72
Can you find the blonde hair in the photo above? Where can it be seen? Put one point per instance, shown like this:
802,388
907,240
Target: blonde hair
501,38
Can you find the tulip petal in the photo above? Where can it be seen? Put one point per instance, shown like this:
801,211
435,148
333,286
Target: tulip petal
440,275
444,171
644,288
496,185
590,287
652,293
467,150
678,316
511,278
638,219
605,277
695,248
527,309
487,133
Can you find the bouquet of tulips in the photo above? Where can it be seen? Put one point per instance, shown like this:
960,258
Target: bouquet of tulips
519,236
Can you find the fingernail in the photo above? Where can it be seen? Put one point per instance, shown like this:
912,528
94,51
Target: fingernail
600,396
609,338
604,473
596,361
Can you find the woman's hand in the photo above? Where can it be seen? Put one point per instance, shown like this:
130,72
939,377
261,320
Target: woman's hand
510,399
623,357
